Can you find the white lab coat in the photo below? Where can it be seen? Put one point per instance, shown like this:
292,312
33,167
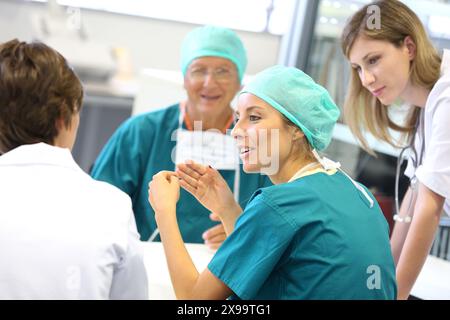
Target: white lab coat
434,172
64,235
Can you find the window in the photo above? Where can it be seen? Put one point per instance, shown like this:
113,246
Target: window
271,16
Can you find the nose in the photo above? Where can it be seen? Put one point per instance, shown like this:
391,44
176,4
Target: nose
209,80
237,132
367,78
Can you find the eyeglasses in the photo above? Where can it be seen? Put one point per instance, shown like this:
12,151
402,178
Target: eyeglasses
221,75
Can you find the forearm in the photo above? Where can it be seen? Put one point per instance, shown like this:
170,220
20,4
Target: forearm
183,272
229,215
419,239
400,231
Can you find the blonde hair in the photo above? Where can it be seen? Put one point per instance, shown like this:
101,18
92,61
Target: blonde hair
364,112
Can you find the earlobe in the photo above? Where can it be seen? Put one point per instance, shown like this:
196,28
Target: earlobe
411,47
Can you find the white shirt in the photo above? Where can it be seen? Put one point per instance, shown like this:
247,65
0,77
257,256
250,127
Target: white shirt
434,172
64,235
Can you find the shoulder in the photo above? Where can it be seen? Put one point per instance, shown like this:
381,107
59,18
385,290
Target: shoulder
153,119
440,92
286,199
107,199
106,191
301,189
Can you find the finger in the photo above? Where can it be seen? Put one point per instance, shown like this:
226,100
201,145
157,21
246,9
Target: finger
185,169
217,238
214,216
164,175
197,167
188,187
213,232
173,179
193,182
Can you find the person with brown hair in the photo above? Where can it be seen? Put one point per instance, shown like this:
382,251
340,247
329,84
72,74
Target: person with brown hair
63,235
392,60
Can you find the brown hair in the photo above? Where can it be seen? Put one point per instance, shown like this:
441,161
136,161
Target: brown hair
362,111
37,88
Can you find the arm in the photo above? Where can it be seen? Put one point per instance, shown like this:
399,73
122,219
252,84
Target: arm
130,277
427,212
401,229
187,282
211,190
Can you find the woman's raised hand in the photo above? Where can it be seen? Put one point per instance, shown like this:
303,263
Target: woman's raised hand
207,185
164,191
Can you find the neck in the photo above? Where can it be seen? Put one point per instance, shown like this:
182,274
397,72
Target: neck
288,169
209,121
416,95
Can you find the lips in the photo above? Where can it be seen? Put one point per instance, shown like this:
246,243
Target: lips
210,97
378,92
245,150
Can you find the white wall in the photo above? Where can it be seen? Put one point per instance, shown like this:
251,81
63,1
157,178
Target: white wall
152,43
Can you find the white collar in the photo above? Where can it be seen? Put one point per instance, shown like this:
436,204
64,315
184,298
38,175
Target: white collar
39,153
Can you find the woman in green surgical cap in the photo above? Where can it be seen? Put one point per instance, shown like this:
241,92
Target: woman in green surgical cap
314,234
213,62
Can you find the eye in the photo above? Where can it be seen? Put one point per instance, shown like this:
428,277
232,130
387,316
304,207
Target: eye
197,72
222,71
373,60
357,68
254,118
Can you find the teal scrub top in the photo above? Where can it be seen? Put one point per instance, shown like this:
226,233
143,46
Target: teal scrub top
140,148
313,238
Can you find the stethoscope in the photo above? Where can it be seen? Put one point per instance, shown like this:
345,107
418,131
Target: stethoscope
417,161
237,171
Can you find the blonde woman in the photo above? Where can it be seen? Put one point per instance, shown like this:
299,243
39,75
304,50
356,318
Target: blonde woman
314,234
397,62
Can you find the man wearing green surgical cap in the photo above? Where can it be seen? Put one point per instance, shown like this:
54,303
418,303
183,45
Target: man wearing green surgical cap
213,62
314,234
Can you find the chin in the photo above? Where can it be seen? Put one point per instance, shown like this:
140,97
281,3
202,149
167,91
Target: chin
251,168
387,101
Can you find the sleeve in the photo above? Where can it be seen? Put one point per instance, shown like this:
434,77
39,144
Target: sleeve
120,160
130,276
250,254
435,170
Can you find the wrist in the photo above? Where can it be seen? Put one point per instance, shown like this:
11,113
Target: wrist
230,212
164,214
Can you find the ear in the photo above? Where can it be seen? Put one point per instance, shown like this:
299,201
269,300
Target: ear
60,125
297,134
410,46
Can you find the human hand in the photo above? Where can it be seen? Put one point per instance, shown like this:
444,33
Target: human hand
215,236
207,186
164,191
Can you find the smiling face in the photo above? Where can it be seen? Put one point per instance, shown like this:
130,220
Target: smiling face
263,137
211,84
383,68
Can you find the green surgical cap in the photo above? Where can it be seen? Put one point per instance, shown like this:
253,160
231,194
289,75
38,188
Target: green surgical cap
211,41
304,102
